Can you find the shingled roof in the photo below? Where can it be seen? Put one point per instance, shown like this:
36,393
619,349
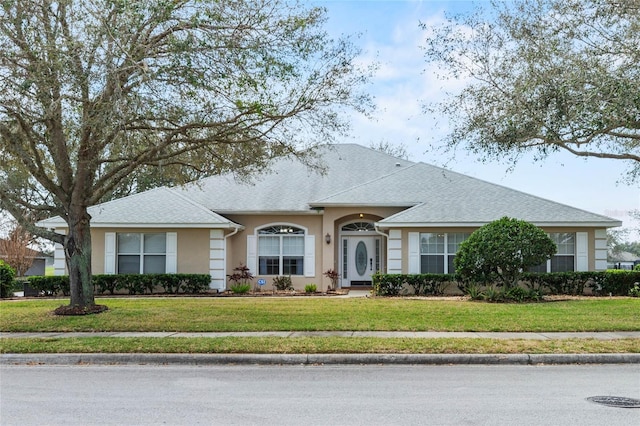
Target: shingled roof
354,176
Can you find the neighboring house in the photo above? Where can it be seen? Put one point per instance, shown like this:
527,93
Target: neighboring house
622,260
38,265
368,212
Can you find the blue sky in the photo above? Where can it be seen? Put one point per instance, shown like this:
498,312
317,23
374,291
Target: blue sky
390,35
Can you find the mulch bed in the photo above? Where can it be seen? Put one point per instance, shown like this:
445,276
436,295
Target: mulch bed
80,310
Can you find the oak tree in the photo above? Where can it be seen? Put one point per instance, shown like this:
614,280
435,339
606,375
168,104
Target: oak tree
99,98
543,76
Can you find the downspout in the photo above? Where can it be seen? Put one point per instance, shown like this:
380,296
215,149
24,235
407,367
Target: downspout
375,227
235,231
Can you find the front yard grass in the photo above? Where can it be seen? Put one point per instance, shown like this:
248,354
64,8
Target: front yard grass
321,314
325,314
315,345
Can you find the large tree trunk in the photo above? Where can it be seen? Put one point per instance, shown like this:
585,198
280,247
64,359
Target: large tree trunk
77,249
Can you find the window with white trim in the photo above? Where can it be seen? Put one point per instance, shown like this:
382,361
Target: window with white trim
437,251
141,253
565,258
281,250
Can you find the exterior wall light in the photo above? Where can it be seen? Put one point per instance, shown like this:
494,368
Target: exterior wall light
327,238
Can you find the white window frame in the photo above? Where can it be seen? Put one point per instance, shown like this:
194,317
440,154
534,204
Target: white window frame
445,254
111,252
308,256
579,240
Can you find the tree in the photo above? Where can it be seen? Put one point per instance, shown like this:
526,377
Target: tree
15,248
398,151
501,251
100,97
544,76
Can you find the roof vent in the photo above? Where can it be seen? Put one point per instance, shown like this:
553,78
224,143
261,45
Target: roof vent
398,164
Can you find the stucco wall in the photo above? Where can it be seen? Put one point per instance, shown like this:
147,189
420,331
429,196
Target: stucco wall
318,224
193,248
591,238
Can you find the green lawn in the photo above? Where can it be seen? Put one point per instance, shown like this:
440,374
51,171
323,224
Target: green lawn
299,314
283,345
312,314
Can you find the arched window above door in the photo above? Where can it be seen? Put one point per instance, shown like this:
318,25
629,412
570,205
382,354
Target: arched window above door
358,226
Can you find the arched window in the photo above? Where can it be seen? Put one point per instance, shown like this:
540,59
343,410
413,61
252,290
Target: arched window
358,226
281,250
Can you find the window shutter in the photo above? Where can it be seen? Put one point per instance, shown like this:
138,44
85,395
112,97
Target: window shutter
414,253
582,251
109,253
310,256
171,258
252,257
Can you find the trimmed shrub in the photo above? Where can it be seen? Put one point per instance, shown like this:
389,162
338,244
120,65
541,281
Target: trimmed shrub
7,276
422,284
499,251
195,283
310,288
51,285
131,283
429,284
387,284
615,282
569,283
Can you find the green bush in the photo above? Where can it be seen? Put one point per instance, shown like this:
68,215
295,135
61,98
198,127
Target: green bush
195,283
310,288
569,283
282,283
131,283
240,288
7,276
387,284
635,290
51,285
429,284
511,294
107,283
615,282
499,251
422,284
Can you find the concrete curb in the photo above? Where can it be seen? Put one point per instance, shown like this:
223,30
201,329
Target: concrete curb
317,359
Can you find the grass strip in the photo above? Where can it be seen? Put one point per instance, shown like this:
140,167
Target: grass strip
315,345
326,314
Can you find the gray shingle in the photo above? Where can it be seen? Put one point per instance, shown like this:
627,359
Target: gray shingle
355,176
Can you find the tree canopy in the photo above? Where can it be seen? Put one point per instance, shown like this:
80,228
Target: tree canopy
102,97
544,76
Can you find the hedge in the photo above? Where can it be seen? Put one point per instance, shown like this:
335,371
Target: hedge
603,283
422,284
132,284
557,283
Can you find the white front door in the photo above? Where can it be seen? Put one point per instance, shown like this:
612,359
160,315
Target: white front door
360,259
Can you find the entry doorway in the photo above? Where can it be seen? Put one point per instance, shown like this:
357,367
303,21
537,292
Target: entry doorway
361,258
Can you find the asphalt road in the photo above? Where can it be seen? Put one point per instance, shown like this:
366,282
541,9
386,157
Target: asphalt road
311,395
